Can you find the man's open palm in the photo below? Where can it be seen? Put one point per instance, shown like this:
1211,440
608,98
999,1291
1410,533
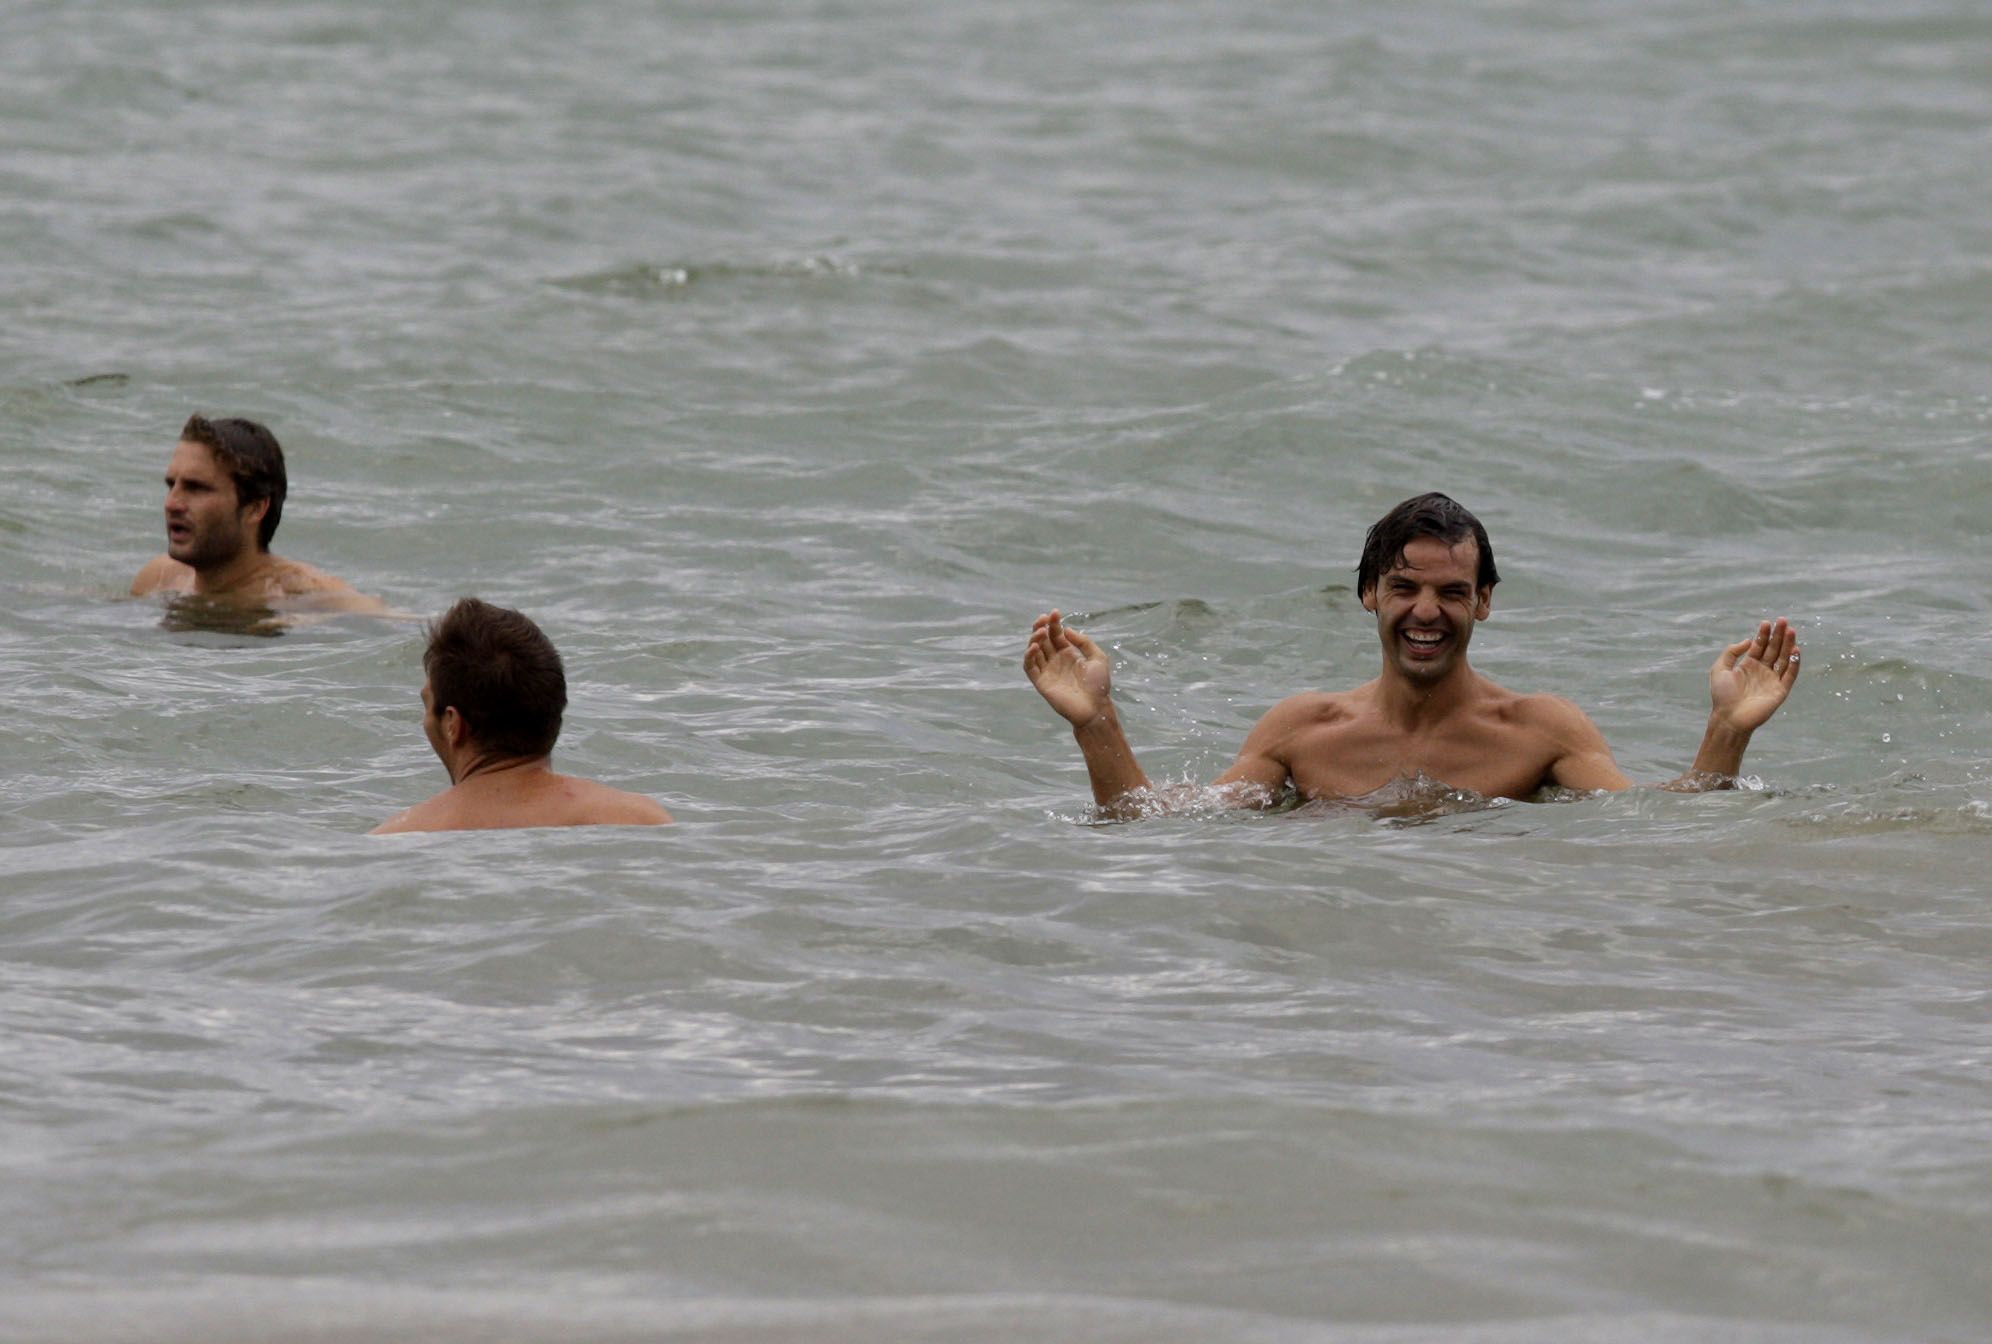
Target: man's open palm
1752,677
1069,670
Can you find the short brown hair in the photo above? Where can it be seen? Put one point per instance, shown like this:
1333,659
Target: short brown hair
249,454
1434,515
501,673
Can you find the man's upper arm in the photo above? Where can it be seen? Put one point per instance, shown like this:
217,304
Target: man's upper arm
1262,761
1583,757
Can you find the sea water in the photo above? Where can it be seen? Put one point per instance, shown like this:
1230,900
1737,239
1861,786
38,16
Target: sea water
784,360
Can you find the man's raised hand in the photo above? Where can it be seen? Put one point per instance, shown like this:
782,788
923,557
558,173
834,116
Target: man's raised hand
1069,670
1752,677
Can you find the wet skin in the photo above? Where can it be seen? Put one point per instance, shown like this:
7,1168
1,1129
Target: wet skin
1428,714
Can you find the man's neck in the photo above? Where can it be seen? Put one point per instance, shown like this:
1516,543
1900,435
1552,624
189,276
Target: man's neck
1412,705
478,768
235,577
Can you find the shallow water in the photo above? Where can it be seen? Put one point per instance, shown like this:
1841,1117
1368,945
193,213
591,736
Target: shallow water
785,362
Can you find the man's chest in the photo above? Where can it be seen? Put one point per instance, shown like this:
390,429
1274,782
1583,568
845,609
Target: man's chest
1349,760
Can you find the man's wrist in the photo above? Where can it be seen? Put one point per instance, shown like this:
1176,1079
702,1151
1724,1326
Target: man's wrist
1104,722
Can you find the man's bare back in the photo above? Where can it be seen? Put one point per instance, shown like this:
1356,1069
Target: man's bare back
522,796
492,703
1428,577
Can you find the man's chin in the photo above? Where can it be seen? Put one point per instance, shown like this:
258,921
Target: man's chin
1425,669
194,555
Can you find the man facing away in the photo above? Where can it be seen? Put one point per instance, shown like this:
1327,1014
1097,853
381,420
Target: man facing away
491,707
225,488
1428,575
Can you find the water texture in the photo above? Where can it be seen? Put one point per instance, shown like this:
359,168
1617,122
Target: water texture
784,360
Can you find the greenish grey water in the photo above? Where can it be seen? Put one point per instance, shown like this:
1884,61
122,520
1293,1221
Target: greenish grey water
785,361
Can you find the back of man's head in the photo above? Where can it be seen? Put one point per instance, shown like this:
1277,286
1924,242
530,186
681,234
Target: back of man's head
500,673
249,454
1434,515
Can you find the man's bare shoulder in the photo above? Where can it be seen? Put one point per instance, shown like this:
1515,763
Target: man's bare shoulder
561,800
1551,716
162,573
426,816
601,805
297,587
1311,709
1287,729
294,578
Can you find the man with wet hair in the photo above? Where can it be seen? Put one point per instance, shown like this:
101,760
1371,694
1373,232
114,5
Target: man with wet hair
491,707
225,488
1428,575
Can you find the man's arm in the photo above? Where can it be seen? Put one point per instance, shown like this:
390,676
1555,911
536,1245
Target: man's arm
1264,765
1584,759
1073,675
1749,681
1075,678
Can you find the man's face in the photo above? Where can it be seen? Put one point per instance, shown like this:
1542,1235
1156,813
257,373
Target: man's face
1426,607
206,527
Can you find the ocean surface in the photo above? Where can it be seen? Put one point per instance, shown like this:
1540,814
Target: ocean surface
784,360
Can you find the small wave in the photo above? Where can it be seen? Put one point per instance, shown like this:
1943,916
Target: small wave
646,281
1973,817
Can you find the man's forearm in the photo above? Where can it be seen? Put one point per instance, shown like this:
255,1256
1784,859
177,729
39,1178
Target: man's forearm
1718,762
1110,762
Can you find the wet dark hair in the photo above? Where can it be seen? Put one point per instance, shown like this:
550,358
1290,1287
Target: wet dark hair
249,454
501,673
1432,515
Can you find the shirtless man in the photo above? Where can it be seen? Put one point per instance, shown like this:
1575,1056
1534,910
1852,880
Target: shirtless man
491,708
225,491
1428,574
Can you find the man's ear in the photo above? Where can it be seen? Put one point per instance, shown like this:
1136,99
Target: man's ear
1485,605
254,514
455,728
1369,598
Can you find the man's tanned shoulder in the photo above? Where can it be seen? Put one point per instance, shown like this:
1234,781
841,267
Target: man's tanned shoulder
1312,709
292,578
1550,716
161,571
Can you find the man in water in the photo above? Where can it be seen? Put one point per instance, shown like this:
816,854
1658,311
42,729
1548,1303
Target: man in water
491,707
1428,574
225,491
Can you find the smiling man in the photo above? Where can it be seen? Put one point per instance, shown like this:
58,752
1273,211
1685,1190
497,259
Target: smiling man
225,488
1428,575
